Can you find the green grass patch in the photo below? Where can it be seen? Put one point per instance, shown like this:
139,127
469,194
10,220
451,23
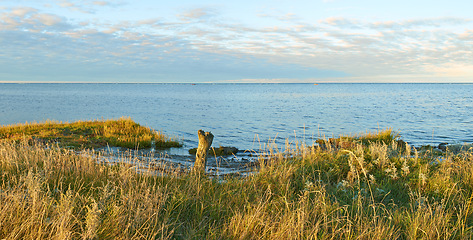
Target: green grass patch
386,136
122,132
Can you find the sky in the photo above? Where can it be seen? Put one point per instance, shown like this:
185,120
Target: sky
210,41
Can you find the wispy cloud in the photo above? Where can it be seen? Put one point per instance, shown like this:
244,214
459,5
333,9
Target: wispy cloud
420,23
197,14
87,6
30,19
74,7
341,22
101,3
202,43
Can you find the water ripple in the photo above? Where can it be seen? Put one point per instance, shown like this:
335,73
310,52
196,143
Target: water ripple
423,113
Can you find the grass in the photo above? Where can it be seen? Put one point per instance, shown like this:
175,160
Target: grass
122,132
369,190
386,136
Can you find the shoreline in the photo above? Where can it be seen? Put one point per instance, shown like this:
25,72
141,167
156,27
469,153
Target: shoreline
179,158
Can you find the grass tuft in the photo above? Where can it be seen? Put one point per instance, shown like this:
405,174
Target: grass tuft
373,190
122,132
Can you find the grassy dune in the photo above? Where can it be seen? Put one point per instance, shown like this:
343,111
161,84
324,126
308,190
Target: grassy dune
371,188
122,132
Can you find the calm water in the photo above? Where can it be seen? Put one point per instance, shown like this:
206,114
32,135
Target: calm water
240,114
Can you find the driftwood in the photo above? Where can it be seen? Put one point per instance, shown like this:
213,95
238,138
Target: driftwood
205,141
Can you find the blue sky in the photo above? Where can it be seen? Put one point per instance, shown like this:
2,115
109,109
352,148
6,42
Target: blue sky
236,41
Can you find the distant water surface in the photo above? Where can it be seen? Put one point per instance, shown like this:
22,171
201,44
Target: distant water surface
248,115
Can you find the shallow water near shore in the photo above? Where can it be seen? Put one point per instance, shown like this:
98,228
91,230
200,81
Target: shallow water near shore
161,162
253,116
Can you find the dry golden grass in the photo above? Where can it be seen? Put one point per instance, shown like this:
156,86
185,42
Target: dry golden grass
376,190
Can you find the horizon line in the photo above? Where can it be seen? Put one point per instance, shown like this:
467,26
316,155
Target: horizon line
202,83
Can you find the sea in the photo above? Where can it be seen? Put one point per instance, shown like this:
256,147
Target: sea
255,116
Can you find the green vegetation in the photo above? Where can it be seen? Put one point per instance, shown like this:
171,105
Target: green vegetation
123,132
372,189
348,141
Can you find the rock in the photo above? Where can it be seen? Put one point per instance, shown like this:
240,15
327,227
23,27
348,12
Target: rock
443,146
220,151
425,148
401,144
457,148
192,151
225,151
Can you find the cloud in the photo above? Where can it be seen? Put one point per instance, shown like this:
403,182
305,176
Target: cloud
47,19
31,19
22,11
341,22
451,69
74,7
149,21
88,6
197,14
283,17
466,36
101,3
12,19
200,45
421,23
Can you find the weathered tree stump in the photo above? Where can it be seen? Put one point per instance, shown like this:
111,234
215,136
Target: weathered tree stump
205,141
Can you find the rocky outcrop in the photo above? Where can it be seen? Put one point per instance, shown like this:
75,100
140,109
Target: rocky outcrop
220,151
